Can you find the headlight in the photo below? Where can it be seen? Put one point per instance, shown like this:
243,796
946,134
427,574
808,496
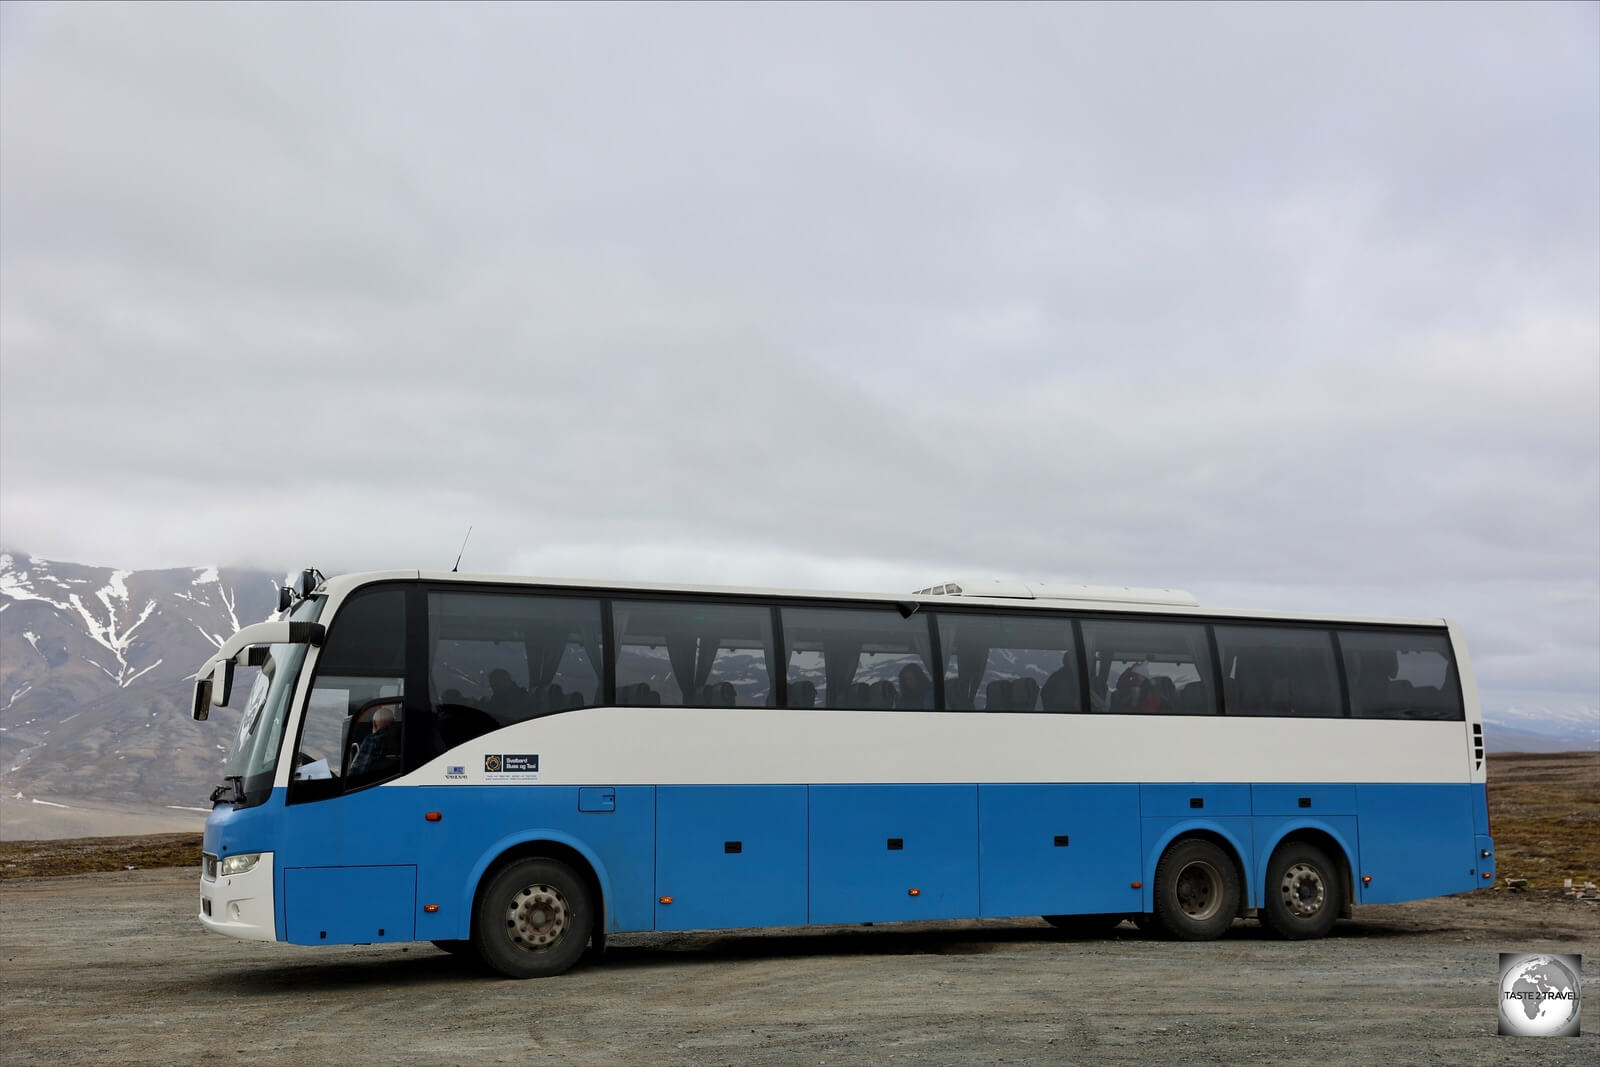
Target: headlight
240,863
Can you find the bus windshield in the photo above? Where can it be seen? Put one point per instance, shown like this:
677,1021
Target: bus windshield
254,756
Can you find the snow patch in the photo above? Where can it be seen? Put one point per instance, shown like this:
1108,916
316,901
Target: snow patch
216,642
108,634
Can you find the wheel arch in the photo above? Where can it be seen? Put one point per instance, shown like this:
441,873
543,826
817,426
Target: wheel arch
1218,835
1321,835
553,846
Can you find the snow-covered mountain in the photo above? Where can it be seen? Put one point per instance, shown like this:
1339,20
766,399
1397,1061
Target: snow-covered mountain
95,668
1524,724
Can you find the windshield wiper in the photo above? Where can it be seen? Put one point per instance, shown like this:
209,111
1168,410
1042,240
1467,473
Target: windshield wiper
237,787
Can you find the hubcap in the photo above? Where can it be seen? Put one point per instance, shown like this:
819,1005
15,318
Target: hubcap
1303,890
1199,890
537,917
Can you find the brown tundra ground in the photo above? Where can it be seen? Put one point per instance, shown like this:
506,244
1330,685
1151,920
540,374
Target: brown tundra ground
112,967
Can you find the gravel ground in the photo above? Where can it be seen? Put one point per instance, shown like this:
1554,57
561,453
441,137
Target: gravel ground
114,968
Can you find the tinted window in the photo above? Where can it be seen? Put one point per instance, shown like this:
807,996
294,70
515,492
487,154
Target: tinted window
1003,663
707,655
1149,668
872,658
1278,671
499,658
1401,675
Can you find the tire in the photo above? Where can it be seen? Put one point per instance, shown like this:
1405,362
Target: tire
1304,892
533,919
1085,925
455,948
1196,890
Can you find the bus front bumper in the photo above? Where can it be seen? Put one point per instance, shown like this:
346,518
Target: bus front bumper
238,902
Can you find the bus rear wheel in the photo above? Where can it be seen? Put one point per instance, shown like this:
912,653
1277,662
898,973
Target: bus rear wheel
533,919
1196,890
1304,892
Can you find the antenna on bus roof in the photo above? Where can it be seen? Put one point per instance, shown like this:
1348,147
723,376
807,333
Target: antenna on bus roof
462,552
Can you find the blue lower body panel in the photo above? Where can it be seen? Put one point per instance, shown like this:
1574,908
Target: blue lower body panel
350,905
1416,841
731,856
1058,849
749,856
887,853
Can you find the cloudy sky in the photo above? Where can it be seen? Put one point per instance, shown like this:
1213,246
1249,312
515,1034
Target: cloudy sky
1292,307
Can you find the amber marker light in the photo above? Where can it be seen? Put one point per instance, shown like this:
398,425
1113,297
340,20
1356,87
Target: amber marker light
1366,879
913,892
434,816
1136,885
666,900
430,908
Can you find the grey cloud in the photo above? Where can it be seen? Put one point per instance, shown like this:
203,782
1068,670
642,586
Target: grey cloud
1291,305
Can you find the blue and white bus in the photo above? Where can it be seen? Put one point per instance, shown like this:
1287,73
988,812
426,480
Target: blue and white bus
519,768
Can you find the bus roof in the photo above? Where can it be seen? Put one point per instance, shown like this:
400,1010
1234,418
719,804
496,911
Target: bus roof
1012,595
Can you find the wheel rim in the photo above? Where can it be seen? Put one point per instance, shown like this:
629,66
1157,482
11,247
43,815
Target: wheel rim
537,917
1199,890
1303,890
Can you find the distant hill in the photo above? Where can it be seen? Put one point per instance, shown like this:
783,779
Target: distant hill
95,678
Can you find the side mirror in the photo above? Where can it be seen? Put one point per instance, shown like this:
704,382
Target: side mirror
202,699
222,683
308,582
285,598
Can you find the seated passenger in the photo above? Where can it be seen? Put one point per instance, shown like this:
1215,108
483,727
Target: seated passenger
508,701
1126,698
1160,694
916,692
1060,690
379,751
639,694
720,695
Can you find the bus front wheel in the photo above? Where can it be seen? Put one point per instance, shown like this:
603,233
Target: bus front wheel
1196,890
534,919
1304,892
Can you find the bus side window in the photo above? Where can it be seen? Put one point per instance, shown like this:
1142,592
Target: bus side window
1009,663
1149,668
693,654
1401,675
498,658
869,658
1278,670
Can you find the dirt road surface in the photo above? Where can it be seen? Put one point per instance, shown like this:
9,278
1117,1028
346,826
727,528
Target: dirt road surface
114,968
